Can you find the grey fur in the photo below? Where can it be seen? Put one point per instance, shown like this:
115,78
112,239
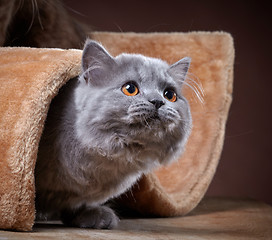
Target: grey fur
98,141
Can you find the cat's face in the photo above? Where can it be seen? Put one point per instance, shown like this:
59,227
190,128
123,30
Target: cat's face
132,102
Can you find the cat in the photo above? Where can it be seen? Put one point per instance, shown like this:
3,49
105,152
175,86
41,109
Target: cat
121,118
39,23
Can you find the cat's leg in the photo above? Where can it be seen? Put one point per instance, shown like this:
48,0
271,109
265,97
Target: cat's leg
99,217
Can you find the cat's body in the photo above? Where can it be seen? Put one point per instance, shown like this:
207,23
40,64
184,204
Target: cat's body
123,117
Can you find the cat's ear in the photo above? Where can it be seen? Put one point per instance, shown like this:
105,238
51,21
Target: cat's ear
96,62
180,69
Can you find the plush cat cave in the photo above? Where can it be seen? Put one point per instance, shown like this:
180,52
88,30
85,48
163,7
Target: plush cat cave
30,78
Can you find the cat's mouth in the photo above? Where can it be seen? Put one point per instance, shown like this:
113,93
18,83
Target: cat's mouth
151,119
155,117
146,120
143,116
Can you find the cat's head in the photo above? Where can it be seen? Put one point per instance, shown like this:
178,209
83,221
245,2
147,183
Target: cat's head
132,105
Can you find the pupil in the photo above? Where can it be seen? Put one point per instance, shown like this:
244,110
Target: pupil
130,88
169,94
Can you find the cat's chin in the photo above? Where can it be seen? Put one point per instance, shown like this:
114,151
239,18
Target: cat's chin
154,127
150,122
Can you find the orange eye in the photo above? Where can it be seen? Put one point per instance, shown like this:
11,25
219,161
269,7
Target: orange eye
130,89
170,95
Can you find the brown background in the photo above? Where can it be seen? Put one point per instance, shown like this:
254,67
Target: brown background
246,165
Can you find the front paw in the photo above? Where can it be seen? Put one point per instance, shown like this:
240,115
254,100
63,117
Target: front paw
100,217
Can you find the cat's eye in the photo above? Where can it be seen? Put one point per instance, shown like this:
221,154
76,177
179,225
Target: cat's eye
130,89
170,95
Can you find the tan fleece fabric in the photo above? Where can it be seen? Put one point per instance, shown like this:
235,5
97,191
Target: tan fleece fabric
30,78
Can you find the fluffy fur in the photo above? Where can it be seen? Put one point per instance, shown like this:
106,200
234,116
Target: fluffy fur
98,141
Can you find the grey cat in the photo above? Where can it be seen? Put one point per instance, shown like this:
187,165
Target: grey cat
123,117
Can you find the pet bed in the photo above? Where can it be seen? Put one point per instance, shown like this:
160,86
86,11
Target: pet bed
31,77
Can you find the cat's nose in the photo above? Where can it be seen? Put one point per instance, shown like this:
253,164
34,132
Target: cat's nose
157,103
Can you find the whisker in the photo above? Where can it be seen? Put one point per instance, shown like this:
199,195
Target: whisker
146,122
19,6
195,91
38,14
120,29
197,82
33,15
192,84
196,88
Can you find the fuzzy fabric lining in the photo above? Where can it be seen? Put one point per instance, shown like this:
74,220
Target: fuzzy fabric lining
30,78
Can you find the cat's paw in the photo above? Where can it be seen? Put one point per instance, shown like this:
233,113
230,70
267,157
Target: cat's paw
100,217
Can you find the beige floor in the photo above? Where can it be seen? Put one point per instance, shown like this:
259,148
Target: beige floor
213,219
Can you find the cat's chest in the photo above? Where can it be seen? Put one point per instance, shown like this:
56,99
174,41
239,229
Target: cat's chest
109,184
